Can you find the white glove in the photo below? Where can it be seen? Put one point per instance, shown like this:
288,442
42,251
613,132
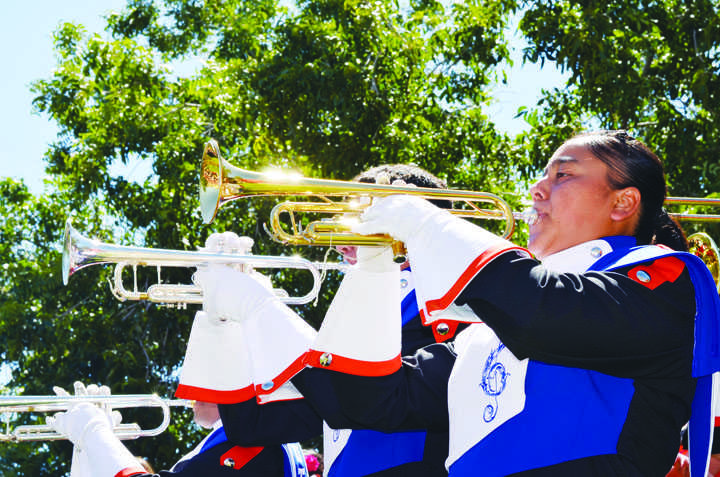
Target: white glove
98,452
445,251
375,259
228,242
229,294
83,416
80,466
400,216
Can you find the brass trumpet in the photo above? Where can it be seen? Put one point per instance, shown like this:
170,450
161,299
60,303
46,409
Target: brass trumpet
688,217
700,243
80,252
221,182
43,432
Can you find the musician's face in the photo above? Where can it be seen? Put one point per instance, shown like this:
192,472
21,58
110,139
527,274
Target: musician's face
574,202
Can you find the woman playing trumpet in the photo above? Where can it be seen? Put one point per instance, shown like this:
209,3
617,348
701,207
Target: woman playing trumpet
590,350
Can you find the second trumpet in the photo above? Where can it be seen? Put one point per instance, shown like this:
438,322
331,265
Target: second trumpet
80,252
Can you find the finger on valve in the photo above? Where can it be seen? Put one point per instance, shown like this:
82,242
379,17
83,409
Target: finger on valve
400,216
228,242
80,389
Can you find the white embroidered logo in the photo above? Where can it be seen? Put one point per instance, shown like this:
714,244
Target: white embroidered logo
486,388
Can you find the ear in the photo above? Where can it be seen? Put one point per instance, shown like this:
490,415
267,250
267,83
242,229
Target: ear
627,204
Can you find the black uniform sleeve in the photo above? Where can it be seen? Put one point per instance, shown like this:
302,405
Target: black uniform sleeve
603,321
413,398
252,424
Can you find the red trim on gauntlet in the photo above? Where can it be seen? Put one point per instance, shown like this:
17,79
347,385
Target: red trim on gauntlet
294,368
473,269
334,362
195,393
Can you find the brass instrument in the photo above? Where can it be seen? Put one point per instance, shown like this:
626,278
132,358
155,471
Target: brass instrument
700,243
688,217
43,404
221,182
80,252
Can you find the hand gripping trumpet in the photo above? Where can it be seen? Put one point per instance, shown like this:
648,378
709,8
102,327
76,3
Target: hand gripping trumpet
221,182
43,404
80,252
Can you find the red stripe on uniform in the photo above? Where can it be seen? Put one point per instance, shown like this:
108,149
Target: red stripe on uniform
662,270
238,456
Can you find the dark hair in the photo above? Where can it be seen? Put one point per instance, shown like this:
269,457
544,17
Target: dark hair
632,164
409,173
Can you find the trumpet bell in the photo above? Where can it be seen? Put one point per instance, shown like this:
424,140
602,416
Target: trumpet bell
221,182
210,182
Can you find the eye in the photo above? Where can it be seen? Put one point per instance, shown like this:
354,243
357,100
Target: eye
561,174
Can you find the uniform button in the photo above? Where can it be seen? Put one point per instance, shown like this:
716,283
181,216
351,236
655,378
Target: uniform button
229,462
267,386
596,252
643,276
325,359
442,329
403,283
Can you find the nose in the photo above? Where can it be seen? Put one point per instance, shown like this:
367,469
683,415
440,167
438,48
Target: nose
539,190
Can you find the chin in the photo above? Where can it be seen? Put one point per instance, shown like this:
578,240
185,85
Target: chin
534,248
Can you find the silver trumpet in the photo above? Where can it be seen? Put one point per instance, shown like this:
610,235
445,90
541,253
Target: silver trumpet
80,252
44,404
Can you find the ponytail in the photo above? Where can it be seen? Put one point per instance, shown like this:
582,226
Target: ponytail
667,231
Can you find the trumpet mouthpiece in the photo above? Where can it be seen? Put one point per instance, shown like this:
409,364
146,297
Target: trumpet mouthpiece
529,216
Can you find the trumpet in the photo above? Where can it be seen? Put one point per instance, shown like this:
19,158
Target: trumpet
43,432
80,252
221,182
688,217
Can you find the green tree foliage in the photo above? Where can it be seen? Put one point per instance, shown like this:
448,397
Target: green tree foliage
649,66
324,87
328,88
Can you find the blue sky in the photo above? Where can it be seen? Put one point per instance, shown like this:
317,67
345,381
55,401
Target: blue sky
27,55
